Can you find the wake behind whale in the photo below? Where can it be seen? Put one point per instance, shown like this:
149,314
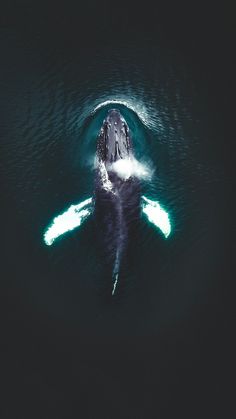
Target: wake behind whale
117,203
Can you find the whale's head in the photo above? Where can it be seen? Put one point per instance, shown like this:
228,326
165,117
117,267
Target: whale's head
114,138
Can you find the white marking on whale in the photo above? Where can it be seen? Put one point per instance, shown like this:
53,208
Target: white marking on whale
106,183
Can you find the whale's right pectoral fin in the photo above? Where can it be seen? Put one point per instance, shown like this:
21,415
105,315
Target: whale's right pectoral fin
72,218
156,215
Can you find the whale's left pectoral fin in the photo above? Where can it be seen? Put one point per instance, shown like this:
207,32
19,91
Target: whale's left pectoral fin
72,218
156,215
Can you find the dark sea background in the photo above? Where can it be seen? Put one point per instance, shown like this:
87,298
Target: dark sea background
163,345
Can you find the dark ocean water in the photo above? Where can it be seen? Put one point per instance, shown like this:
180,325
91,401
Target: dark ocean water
53,102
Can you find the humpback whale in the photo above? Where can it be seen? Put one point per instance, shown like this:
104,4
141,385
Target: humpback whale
117,203
117,193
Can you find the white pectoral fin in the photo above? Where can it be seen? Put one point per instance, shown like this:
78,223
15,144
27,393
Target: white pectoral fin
72,218
156,215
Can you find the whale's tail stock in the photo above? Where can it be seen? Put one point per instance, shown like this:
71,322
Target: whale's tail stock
116,271
115,278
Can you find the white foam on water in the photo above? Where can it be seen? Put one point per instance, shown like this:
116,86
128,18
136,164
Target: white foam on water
156,215
125,168
72,218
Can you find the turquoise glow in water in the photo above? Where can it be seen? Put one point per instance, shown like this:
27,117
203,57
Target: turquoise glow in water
72,218
156,215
